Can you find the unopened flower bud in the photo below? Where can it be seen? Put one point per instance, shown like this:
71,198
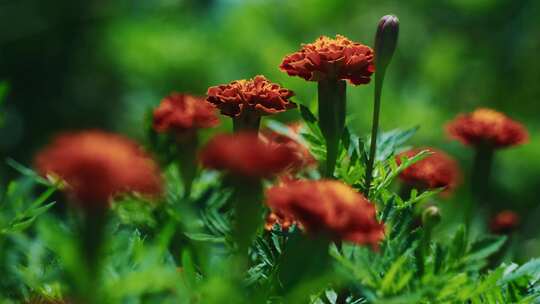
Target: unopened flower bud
386,41
431,216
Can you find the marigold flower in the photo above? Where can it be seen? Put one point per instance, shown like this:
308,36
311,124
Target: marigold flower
181,113
96,165
487,127
302,157
257,95
245,154
338,58
504,222
435,171
273,218
328,207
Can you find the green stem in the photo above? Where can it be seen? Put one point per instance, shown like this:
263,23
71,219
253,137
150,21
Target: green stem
247,121
248,212
332,107
379,77
480,179
187,165
92,231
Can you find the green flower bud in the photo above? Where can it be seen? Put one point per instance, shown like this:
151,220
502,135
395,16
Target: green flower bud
431,216
386,41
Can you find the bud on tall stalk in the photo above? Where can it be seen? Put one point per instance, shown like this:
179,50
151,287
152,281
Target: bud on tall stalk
385,46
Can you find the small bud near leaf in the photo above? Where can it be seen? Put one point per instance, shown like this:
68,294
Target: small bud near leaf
431,216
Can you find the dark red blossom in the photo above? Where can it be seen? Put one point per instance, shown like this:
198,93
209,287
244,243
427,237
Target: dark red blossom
436,170
487,127
338,58
329,208
257,95
96,165
245,154
302,157
182,113
504,222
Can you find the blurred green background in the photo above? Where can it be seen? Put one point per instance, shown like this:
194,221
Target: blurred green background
103,64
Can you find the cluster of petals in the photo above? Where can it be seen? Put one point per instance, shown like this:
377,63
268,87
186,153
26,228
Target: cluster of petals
246,154
487,127
435,171
257,95
276,218
302,157
504,222
338,58
97,165
182,113
329,208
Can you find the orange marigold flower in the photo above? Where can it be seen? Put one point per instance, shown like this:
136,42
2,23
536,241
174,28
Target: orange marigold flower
96,165
504,222
331,58
283,221
436,170
328,207
487,127
302,157
181,113
245,154
257,95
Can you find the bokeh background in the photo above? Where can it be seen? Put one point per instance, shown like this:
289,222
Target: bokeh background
104,64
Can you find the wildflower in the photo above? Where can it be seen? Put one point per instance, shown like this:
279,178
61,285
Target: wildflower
435,171
487,127
245,154
338,58
96,165
250,97
504,222
182,113
284,222
302,157
329,208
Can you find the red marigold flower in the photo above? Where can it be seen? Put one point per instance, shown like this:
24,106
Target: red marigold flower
181,113
245,154
96,165
338,58
283,221
302,157
504,222
328,207
257,95
436,170
487,127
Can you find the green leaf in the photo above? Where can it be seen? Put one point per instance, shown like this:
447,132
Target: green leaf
307,115
485,247
204,237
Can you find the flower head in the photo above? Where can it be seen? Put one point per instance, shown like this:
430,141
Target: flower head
338,58
245,154
96,165
302,157
487,127
386,41
435,171
182,113
257,95
328,207
504,222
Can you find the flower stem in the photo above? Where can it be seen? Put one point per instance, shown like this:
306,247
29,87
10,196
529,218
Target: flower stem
332,106
480,179
187,162
379,77
248,212
247,121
